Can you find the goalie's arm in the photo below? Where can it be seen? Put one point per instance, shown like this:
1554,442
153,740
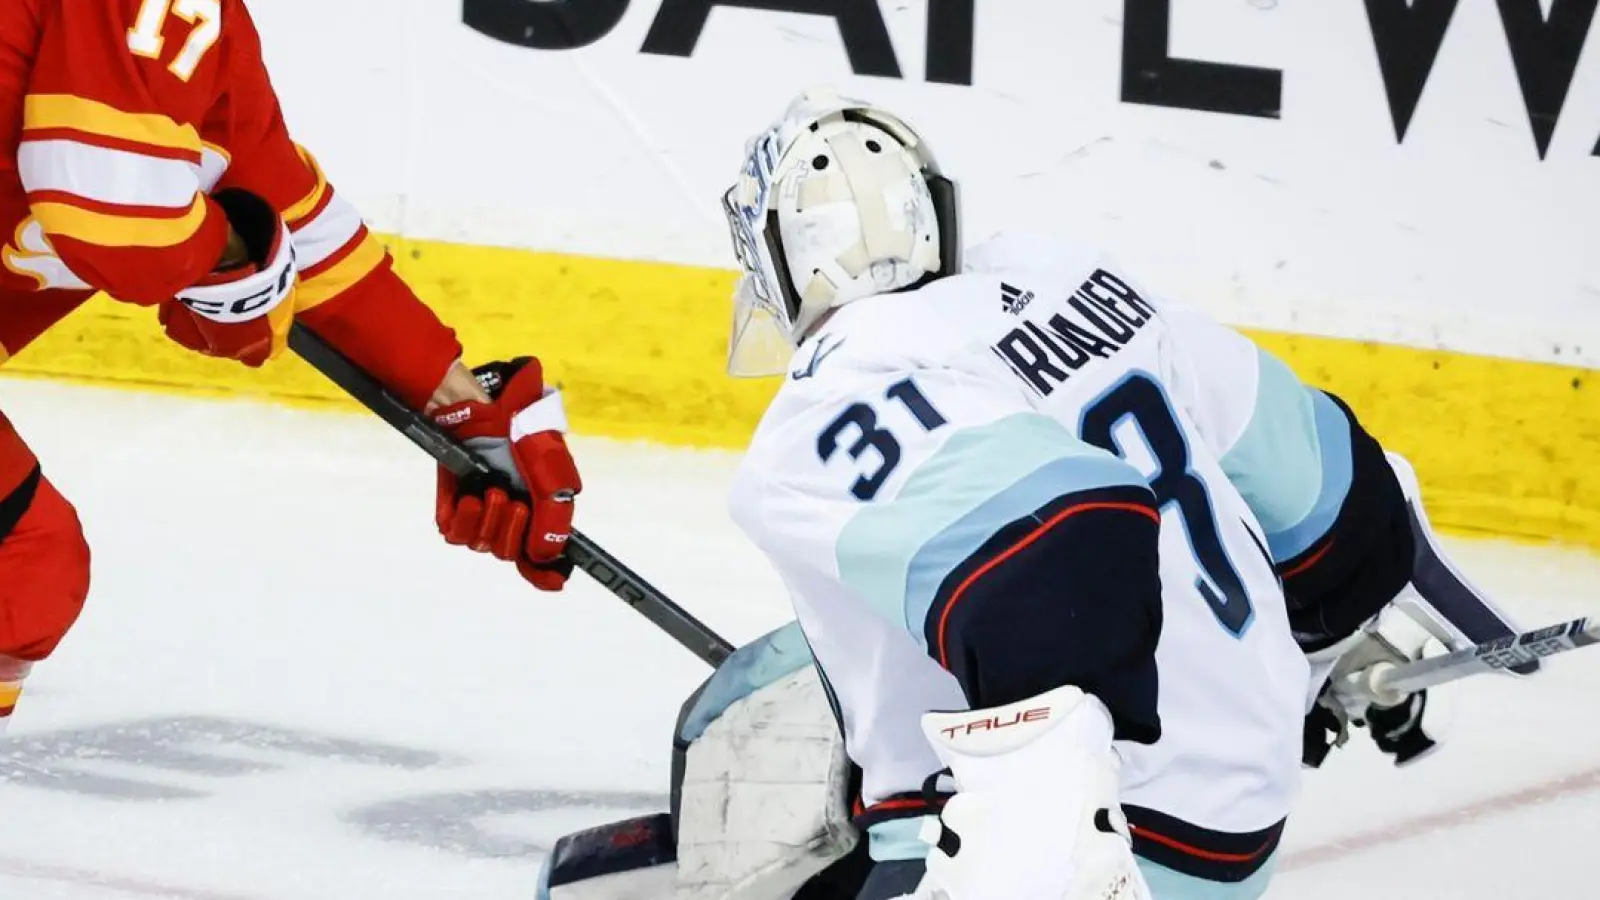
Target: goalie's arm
1334,512
1344,518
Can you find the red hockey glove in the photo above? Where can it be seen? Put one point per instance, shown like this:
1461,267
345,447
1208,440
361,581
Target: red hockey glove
244,311
520,433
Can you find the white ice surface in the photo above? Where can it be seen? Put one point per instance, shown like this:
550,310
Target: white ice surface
268,582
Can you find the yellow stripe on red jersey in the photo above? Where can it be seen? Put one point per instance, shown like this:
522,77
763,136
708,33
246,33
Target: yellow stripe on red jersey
45,116
359,257
116,226
315,200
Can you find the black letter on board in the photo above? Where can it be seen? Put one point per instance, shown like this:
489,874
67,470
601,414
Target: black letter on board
950,41
1408,37
1153,78
558,25
1545,53
679,23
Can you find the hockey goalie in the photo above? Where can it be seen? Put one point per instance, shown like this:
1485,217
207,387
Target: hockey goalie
1083,579
146,157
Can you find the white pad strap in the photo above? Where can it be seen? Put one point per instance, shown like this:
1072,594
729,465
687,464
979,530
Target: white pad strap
545,414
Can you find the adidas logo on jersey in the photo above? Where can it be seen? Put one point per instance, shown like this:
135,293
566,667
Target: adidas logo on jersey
1014,300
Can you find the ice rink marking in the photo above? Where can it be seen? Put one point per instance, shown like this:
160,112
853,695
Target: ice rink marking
20,868
1321,854
1433,823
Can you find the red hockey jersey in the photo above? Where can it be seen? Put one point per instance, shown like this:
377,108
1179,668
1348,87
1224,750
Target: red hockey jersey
117,119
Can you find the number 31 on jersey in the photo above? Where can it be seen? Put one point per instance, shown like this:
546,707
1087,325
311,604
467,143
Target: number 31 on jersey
862,419
147,36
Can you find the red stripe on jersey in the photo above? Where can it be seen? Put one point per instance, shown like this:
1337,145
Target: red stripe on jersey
1313,560
338,256
112,209
111,143
1194,851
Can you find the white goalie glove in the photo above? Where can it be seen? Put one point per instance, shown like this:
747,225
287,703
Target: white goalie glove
1437,612
1404,726
1036,814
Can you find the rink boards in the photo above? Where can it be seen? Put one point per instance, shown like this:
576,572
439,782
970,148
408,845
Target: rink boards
1503,446
1400,199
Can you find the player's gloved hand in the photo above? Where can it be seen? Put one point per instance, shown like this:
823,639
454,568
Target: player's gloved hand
528,519
241,310
1349,697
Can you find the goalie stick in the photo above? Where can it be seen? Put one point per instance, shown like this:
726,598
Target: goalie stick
585,554
1490,656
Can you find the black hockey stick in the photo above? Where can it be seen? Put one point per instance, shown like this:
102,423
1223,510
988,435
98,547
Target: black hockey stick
584,553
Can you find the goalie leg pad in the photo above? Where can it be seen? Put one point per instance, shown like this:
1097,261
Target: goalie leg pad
764,800
761,797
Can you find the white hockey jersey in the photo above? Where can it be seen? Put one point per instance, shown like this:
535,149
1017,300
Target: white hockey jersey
912,425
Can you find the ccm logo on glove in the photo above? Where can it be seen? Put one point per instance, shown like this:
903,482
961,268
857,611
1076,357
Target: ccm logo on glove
242,310
247,307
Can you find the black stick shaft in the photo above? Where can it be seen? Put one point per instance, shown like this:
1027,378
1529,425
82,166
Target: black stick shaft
585,554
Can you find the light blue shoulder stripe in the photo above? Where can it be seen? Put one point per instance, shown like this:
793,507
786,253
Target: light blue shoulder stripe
752,667
1333,437
895,553
1292,464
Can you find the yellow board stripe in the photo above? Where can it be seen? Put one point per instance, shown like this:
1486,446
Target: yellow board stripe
1502,446
109,230
51,111
326,285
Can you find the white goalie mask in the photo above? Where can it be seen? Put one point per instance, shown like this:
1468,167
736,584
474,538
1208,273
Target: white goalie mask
836,202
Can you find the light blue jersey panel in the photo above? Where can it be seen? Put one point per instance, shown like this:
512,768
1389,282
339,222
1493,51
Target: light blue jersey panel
896,553
898,839
1292,463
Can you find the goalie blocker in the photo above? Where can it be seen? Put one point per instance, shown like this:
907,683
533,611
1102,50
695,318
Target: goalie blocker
762,797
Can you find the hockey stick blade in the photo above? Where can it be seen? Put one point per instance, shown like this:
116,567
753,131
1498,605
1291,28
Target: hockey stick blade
1500,654
585,554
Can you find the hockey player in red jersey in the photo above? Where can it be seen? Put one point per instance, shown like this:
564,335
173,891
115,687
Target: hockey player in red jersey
145,156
